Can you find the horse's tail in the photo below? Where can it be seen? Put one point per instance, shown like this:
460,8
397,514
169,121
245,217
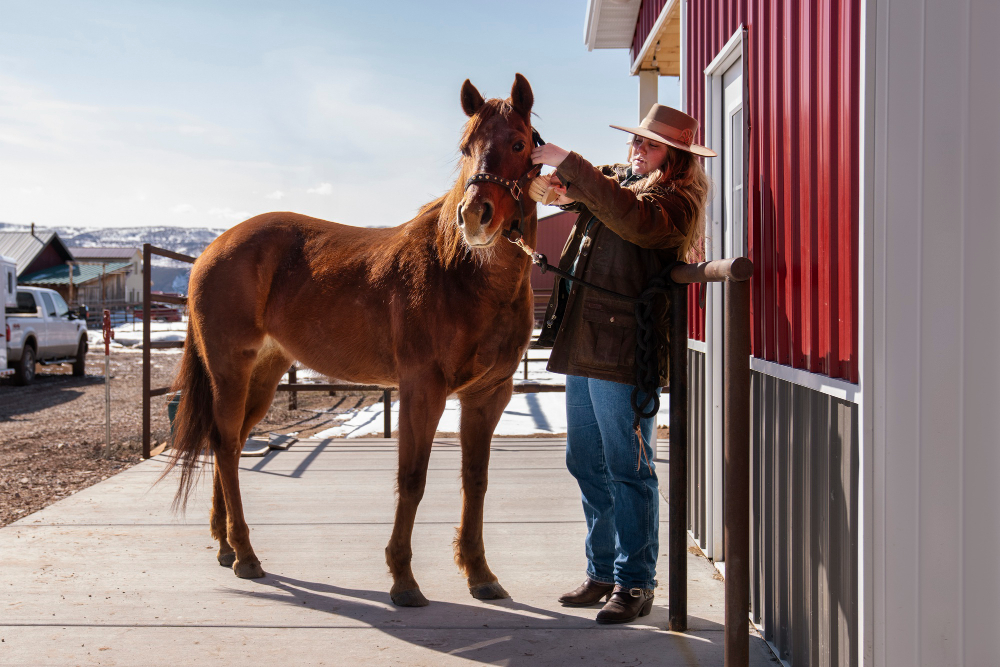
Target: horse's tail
194,430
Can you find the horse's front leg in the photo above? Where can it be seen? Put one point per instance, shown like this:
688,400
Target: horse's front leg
481,411
226,555
421,403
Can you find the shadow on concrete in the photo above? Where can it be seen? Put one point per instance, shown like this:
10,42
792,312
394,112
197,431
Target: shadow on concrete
446,627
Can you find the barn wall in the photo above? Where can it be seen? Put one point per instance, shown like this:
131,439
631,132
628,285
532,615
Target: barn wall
803,75
697,464
48,257
935,317
804,531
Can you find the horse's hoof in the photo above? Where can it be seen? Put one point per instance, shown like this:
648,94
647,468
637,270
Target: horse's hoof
410,598
250,569
227,559
489,591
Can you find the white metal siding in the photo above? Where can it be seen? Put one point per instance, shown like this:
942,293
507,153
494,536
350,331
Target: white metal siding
935,312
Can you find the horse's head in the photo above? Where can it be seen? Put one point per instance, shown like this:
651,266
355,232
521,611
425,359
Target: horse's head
497,142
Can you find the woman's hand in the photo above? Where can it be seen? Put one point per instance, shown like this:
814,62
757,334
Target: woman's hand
549,154
557,186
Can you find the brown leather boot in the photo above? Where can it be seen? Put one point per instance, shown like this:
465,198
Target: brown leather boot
587,594
626,605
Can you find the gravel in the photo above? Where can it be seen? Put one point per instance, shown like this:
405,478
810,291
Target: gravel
52,432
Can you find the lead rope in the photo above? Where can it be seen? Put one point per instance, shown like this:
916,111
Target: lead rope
647,361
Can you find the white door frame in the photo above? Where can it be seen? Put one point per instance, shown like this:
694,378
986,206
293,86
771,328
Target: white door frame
715,119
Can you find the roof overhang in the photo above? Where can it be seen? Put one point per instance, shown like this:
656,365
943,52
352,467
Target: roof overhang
661,50
610,24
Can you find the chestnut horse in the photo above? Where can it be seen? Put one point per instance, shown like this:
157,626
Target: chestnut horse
439,305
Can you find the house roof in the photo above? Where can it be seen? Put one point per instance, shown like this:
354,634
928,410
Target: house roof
610,25
24,247
92,254
82,273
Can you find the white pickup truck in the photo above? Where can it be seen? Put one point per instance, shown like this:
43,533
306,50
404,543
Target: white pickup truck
41,329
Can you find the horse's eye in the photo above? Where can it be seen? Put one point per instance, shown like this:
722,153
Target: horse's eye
518,147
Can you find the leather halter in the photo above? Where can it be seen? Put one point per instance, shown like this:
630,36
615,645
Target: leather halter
516,189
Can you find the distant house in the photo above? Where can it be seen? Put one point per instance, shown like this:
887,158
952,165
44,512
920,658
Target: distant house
94,285
131,291
34,251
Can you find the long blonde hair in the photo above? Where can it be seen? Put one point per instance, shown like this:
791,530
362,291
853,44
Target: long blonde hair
685,175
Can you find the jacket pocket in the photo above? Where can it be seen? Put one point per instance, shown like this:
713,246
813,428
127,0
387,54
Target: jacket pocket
607,339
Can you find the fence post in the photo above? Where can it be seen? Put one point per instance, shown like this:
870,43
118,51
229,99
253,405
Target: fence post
147,295
387,409
293,396
677,485
736,483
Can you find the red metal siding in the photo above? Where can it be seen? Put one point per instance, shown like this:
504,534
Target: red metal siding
553,230
649,11
803,112
49,256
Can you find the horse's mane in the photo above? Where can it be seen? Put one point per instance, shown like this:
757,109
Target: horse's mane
451,241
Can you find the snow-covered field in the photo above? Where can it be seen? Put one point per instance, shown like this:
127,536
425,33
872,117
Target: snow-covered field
527,414
130,334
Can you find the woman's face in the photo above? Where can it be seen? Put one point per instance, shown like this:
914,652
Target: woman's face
646,156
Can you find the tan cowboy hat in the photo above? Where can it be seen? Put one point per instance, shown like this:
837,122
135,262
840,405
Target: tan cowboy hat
672,127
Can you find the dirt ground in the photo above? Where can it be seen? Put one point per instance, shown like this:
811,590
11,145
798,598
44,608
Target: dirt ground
52,432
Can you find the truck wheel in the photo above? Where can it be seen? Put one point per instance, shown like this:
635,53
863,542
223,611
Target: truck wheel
24,372
80,363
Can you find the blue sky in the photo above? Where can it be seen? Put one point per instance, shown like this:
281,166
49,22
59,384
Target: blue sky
206,113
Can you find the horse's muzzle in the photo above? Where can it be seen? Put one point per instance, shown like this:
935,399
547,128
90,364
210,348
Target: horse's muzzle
474,219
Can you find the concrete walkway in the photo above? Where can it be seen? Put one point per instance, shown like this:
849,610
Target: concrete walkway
109,576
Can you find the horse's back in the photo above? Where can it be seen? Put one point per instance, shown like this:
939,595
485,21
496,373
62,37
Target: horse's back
311,285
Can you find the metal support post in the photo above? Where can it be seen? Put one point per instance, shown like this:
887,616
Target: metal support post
736,482
677,485
109,334
147,295
293,396
387,409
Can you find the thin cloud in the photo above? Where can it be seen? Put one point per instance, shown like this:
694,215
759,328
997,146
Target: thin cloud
277,194
227,213
321,189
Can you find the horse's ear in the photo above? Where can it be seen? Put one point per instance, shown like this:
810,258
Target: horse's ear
522,97
472,101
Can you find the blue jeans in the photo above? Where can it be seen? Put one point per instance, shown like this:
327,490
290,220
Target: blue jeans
621,504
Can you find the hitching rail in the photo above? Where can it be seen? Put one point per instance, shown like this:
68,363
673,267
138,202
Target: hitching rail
736,273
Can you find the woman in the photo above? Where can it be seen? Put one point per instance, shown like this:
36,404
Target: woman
635,220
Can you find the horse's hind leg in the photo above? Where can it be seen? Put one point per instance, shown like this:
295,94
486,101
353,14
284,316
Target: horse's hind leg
421,402
481,411
270,365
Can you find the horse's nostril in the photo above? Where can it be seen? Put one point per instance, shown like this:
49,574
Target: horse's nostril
461,219
487,213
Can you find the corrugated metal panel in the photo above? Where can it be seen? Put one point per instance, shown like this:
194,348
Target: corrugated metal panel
697,499
553,230
803,79
103,253
804,496
649,11
696,314
22,247
82,273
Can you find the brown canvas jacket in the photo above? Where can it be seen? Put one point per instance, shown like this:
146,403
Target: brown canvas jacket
636,234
